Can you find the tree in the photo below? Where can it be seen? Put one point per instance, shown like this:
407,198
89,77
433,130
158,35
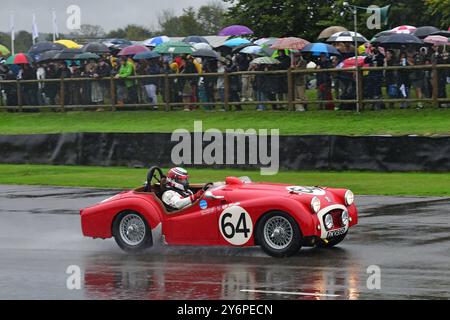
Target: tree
441,10
211,17
131,32
89,31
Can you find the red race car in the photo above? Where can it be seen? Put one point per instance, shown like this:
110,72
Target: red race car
278,217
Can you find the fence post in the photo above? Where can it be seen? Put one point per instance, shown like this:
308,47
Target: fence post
19,96
291,93
435,83
112,93
167,92
360,91
226,91
62,93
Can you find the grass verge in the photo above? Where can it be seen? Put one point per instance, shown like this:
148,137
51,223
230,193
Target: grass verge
367,183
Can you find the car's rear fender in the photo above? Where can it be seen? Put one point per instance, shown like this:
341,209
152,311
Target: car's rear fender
97,221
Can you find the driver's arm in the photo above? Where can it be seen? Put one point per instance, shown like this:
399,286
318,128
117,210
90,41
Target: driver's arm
175,200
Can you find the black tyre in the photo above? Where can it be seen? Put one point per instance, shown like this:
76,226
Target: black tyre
131,232
331,243
279,235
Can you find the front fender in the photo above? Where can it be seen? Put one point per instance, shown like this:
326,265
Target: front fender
96,221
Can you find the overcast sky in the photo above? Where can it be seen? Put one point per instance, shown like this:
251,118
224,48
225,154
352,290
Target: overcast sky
110,14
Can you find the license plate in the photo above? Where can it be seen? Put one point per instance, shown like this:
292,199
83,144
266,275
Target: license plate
336,233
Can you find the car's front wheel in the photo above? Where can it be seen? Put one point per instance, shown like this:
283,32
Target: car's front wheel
279,235
131,232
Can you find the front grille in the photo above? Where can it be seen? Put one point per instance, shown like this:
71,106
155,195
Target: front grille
337,218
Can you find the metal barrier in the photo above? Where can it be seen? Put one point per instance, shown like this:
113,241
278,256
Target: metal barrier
73,93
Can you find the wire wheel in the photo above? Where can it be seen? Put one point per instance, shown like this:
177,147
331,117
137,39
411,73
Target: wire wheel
278,232
132,229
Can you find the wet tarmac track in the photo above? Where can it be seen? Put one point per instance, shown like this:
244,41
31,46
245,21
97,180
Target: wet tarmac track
40,237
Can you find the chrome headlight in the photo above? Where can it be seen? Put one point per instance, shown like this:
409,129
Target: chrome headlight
349,198
344,218
315,205
329,224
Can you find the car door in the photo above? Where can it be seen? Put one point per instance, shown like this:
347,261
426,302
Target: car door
197,224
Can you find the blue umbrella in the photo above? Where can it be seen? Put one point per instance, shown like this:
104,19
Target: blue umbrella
318,48
236,42
156,41
147,55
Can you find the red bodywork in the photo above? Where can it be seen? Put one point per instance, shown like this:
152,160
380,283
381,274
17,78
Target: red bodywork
197,225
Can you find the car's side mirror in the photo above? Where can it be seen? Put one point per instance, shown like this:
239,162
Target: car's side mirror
210,195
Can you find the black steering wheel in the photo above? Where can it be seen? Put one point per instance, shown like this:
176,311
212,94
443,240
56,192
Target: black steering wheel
152,175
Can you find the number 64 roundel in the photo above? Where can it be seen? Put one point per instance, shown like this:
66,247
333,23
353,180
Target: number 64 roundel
235,225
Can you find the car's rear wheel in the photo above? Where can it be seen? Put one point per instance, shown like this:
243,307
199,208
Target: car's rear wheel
331,243
279,235
131,232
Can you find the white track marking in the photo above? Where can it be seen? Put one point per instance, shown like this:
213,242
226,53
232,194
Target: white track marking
292,293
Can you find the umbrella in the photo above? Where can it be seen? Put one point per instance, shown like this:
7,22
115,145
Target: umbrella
174,47
67,54
235,30
4,51
424,32
47,56
256,50
442,33
236,42
400,39
437,40
20,58
156,41
265,42
404,30
96,47
200,46
380,36
132,50
328,32
45,46
147,55
318,48
69,44
87,56
240,47
352,63
204,53
290,43
347,36
113,42
265,60
195,39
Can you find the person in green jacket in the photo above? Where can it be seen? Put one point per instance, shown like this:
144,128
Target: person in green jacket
126,87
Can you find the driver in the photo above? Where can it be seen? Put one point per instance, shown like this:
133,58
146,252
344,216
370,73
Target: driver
177,194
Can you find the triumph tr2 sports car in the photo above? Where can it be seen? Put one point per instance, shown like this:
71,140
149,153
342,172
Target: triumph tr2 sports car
280,218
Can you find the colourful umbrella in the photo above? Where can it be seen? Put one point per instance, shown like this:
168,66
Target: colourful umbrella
133,50
319,48
147,55
156,41
290,43
235,30
437,40
265,60
69,44
352,63
174,47
20,58
4,51
236,42
404,30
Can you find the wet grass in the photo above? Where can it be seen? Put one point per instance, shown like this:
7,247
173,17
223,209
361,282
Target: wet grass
364,183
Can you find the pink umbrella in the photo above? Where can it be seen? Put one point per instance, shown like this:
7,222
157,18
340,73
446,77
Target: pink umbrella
290,43
437,40
404,29
21,58
352,63
133,50
235,30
